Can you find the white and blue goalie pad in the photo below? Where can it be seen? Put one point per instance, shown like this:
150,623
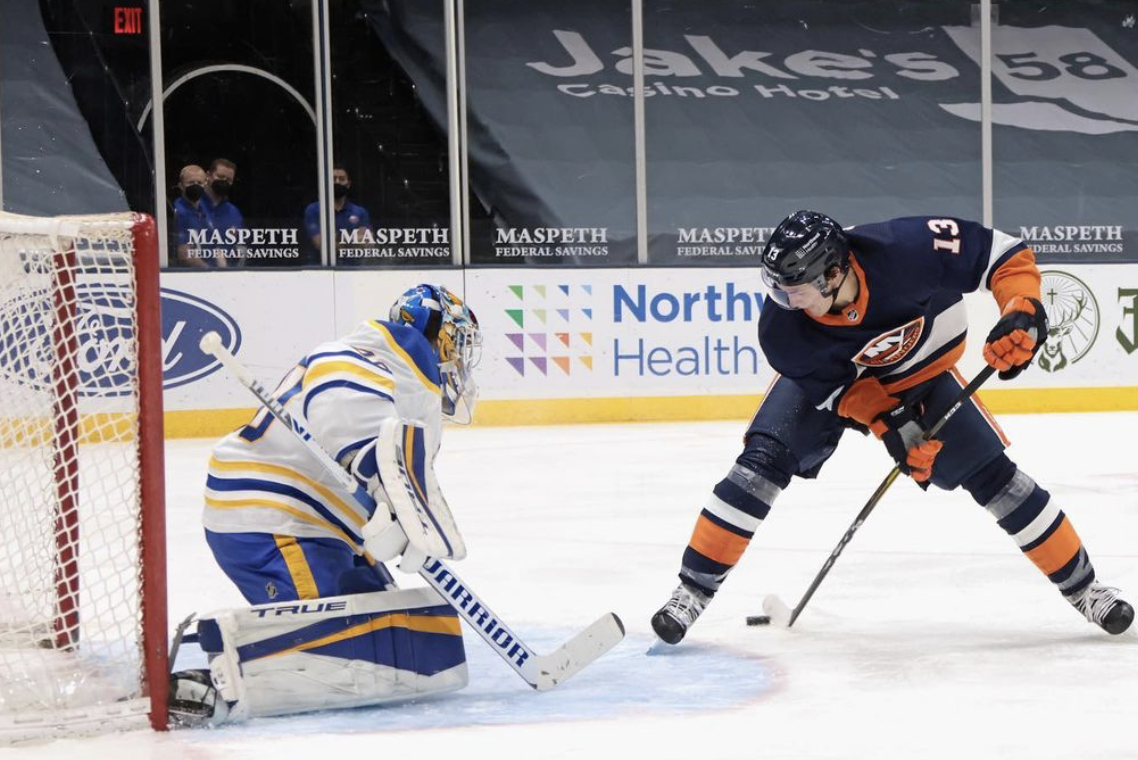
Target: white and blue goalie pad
334,652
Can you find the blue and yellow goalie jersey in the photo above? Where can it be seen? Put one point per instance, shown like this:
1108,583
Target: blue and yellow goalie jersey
262,479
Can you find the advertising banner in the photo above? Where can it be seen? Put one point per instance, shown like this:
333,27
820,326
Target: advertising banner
649,332
693,332
687,337
268,319
863,110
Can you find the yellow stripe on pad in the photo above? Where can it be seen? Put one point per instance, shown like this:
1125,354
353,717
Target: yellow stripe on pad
298,568
408,461
422,623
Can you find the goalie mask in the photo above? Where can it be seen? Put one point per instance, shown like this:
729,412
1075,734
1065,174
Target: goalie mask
452,329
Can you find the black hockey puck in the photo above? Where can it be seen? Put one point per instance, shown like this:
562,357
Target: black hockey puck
758,620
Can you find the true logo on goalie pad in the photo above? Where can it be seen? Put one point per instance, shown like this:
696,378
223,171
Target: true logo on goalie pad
301,609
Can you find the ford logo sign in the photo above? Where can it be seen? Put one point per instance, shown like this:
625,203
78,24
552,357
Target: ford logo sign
104,327
185,319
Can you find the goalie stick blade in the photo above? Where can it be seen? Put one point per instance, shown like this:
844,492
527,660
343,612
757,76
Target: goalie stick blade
545,672
777,610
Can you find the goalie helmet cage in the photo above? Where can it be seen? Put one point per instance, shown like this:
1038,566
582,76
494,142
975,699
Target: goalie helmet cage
83,564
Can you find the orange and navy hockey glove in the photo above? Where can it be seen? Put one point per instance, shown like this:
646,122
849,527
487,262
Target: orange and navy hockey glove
901,431
1017,337
895,423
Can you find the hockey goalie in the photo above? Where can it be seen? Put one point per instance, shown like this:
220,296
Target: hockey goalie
329,627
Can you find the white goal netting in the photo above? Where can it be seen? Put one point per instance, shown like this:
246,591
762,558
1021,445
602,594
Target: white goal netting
73,563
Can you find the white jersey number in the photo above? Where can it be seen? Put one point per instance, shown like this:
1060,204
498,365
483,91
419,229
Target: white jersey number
947,235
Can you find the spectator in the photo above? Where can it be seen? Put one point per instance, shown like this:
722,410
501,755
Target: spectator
226,216
192,214
349,216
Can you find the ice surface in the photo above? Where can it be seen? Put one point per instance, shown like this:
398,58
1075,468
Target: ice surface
933,637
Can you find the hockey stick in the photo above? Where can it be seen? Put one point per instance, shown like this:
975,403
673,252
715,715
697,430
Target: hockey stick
779,613
542,672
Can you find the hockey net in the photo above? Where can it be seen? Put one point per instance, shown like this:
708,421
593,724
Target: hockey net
82,568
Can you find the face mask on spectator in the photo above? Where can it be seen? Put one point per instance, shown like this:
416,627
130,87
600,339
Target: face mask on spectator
193,193
221,186
340,191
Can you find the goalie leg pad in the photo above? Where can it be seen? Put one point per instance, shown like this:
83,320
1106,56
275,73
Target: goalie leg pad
348,651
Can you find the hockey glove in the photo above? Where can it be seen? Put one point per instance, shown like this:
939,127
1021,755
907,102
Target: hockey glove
384,538
1017,337
903,435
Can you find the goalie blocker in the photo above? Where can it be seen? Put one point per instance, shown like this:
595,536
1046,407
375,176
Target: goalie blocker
334,652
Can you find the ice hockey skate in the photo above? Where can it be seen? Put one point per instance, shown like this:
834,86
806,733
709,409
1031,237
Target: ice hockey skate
1101,606
674,619
194,700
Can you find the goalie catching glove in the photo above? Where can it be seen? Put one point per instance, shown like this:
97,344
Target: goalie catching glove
895,423
411,517
1017,337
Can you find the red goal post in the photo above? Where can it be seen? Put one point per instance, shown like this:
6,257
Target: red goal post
83,566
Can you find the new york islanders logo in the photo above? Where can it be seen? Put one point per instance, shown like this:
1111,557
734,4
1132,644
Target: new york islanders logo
891,347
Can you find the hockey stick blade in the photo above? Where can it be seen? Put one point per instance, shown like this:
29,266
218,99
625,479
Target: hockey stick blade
548,671
778,611
542,672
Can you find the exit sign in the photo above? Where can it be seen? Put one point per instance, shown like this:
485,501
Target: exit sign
126,19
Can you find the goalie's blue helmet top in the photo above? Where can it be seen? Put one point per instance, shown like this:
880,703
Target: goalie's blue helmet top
421,307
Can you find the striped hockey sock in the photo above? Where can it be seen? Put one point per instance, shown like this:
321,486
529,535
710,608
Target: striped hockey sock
1042,532
737,506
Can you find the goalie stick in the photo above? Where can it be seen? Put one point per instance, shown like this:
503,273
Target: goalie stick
542,672
776,610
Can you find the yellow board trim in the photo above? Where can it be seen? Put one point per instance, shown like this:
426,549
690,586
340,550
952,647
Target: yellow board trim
1059,400
298,568
492,413
206,423
39,430
422,623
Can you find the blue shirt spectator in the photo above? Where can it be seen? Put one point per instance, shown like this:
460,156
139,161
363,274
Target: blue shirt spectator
349,216
226,216
192,214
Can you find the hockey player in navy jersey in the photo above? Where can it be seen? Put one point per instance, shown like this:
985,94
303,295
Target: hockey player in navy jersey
869,326
329,626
